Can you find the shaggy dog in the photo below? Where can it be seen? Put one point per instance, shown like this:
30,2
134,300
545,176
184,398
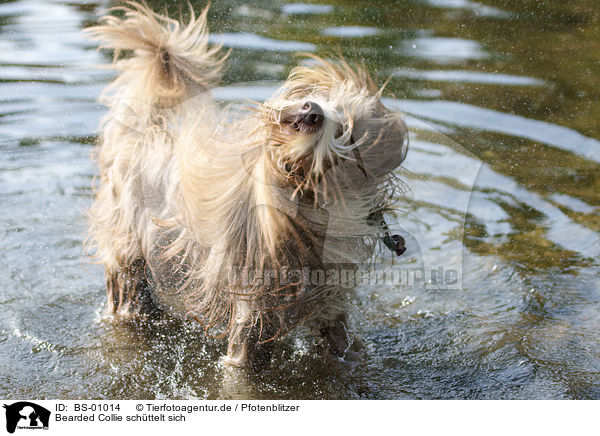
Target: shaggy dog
233,216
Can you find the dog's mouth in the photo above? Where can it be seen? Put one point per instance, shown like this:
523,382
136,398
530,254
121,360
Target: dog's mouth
308,120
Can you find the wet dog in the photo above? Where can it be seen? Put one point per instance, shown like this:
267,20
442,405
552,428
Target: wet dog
241,219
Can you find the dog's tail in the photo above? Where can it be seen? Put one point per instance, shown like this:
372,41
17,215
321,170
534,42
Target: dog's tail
168,62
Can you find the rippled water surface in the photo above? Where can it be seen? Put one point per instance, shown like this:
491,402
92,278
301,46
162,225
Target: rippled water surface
503,101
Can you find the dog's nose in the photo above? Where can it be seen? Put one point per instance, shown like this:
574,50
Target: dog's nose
311,115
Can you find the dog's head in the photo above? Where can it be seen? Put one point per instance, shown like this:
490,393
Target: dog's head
328,114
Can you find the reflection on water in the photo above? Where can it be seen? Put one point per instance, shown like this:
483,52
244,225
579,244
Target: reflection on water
468,77
350,31
501,97
305,8
444,50
464,115
478,9
249,41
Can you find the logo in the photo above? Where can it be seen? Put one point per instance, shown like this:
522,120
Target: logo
26,415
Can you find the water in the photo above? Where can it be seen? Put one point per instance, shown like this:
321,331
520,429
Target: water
502,100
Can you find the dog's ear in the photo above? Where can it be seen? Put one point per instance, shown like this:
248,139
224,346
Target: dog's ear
383,146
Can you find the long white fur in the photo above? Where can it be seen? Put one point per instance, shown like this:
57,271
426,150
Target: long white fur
192,196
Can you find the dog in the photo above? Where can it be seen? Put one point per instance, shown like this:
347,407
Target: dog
225,215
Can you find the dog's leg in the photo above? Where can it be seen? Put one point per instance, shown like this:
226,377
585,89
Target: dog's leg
247,346
128,290
236,385
342,343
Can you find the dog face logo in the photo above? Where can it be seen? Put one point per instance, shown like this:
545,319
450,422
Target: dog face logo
26,415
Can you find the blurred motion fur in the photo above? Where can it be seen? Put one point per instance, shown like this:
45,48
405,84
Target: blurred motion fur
201,210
